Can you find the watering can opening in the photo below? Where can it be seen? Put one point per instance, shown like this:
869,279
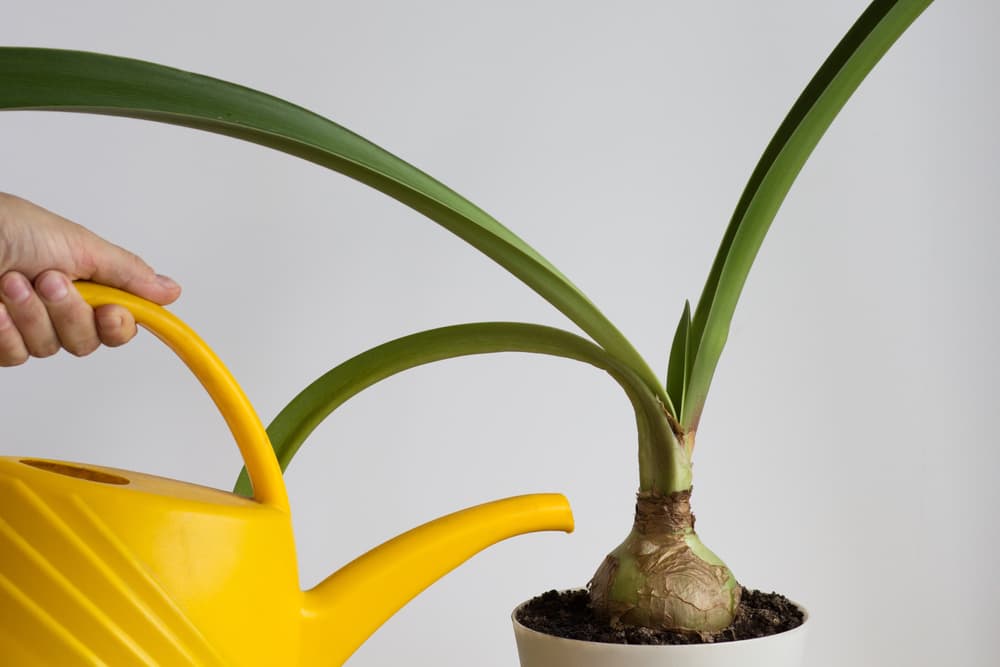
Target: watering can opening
78,471
90,481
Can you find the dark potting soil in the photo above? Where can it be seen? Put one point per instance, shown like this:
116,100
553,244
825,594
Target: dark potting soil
568,614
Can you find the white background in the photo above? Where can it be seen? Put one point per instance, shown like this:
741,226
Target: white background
847,455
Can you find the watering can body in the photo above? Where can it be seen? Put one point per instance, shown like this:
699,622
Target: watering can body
99,565
106,566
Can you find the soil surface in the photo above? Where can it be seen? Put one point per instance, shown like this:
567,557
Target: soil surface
568,614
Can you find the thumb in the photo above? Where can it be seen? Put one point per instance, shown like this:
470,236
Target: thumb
114,266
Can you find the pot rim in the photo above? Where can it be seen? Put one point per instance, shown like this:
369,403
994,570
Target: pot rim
520,627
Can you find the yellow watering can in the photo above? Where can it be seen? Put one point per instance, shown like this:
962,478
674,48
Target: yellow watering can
100,566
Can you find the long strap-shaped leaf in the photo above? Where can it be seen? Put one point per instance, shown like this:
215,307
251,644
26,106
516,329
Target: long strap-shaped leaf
663,465
870,37
55,80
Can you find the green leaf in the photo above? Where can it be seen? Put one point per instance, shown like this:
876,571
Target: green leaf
56,80
677,366
842,72
663,465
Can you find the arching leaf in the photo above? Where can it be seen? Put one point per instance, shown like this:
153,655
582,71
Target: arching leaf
663,466
56,80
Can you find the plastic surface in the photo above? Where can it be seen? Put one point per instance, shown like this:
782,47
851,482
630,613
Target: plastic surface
537,649
107,566
246,427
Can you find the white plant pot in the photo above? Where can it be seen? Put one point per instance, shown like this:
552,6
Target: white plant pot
537,649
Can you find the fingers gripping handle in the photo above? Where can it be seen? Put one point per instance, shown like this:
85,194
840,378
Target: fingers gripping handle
249,433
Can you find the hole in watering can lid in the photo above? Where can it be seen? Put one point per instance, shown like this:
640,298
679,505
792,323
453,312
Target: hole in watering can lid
76,471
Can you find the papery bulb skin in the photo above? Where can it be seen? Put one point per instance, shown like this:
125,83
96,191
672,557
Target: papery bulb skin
662,576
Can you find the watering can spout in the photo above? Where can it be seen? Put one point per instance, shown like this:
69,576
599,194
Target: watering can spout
348,606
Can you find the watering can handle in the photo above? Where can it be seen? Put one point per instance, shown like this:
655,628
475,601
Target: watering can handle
249,433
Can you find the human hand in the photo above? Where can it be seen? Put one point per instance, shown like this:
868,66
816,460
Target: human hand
41,254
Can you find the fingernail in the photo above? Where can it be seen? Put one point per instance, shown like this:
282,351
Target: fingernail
109,319
53,287
16,289
167,282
